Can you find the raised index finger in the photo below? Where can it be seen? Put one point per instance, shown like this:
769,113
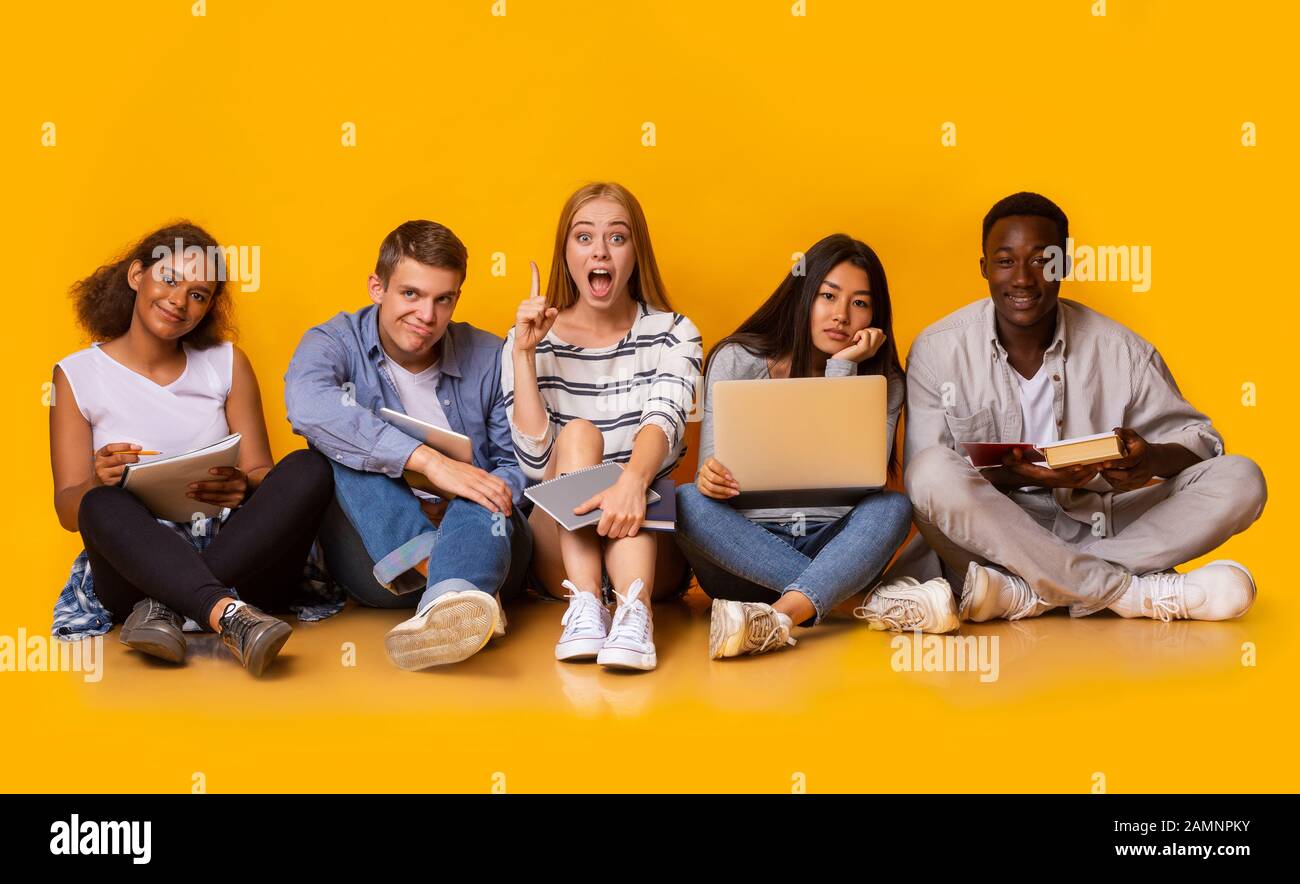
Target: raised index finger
536,288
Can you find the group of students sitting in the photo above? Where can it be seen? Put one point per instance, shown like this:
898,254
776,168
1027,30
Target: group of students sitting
599,369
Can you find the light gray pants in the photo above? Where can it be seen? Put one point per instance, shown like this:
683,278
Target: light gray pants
964,518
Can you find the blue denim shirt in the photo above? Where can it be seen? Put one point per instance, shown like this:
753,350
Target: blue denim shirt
338,380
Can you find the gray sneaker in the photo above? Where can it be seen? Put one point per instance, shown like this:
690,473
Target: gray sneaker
252,636
155,629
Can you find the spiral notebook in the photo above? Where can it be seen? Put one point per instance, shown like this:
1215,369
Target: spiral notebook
560,496
162,484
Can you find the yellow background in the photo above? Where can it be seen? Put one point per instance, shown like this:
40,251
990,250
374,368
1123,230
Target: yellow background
772,131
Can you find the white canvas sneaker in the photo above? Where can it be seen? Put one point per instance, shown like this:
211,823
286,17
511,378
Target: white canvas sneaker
909,604
1221,590
586,626
631,643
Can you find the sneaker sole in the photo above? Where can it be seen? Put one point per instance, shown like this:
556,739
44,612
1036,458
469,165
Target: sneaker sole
267,647
579,649
449,633
621,658
154,642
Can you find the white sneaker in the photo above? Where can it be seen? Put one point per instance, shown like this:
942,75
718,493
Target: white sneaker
586,626
989,594
737,628
909,604
455,627
631,643
500,629
1220,590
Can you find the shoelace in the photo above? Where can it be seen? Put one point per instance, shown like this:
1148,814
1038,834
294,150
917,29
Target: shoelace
901,613
581,615
910,615
235,629
156,610
1166,593
773,636
639,627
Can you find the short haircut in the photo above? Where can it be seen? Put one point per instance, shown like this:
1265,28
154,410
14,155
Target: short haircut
427,242
1026,203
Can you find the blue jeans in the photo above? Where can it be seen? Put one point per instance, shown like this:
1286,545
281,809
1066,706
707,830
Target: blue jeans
374,533
734,558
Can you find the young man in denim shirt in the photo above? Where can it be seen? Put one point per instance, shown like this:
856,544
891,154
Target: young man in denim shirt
465,545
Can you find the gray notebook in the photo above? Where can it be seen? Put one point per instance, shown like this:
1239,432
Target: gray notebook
561,495
163,484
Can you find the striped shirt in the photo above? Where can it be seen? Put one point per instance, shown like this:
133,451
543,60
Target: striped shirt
649,377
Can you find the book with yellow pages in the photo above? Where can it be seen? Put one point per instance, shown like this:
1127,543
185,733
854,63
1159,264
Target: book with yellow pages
1065,453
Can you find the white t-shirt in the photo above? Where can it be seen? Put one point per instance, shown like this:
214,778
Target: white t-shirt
1036,407
125,406
419,394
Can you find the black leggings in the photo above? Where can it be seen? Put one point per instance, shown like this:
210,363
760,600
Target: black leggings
260,550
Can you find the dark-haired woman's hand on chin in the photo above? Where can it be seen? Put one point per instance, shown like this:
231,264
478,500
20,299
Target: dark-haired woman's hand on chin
229,489
622,507
111,460
533,319
866,342
716,481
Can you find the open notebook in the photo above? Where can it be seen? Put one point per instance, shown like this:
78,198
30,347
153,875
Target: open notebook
162,483
560,496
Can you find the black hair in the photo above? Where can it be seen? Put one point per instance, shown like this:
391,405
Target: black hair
1027,203
781,326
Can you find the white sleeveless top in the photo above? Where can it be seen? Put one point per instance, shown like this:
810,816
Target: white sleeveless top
124,406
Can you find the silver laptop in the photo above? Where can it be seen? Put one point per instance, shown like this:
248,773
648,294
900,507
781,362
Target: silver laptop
802,441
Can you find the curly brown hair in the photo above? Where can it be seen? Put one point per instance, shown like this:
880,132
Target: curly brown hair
105,300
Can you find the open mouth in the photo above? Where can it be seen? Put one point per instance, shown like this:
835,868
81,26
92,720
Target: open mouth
600,281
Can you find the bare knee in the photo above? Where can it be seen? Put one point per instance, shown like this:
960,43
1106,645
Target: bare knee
579,444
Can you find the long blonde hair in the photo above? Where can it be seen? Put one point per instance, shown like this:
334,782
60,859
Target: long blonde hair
645,286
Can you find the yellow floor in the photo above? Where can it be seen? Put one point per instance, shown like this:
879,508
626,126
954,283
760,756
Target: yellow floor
1148,706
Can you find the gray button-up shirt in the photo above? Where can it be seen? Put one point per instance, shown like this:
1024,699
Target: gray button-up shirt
960,388
338,380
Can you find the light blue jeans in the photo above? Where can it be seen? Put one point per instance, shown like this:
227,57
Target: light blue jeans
734,558
374,533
